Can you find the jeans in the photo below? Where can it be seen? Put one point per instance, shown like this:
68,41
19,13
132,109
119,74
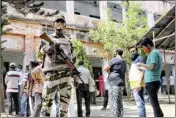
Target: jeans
152,90
57,104
105,99
140,102
37,105
80,93
23,104
14,96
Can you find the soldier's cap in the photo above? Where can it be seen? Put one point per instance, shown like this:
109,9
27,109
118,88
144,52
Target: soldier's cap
60,17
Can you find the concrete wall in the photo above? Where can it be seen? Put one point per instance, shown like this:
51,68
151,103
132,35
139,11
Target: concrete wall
53,4
13,56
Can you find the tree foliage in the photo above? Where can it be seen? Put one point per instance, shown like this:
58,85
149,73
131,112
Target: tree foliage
123,34
80,54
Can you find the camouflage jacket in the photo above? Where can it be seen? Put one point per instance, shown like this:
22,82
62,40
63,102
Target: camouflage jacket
53,61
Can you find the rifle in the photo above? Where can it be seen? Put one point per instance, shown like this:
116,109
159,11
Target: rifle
59,51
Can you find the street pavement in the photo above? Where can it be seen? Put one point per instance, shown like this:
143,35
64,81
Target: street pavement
130,109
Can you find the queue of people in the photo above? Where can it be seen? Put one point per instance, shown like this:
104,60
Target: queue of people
32,97
142,74
27,99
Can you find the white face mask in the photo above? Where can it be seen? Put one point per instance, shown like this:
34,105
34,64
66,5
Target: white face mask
19,70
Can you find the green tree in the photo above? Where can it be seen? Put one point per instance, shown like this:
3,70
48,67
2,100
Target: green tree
4,22
123,34
80,54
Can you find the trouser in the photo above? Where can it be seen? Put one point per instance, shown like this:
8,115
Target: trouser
28,112
92,97
23,105
140,102
37,105
105,103
14,96
19,99
56,81
57,104
81,92
172,89
152,90
116,102
31,104
164,89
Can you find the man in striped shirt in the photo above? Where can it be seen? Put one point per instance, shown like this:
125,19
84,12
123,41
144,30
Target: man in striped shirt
12,79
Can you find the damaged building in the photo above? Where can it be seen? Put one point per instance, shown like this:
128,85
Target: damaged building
31,18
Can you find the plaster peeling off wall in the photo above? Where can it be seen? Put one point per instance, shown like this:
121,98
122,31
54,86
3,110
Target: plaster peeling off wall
25,28
94,50
13,42
29,48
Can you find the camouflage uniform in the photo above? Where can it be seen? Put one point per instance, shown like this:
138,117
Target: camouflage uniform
57,75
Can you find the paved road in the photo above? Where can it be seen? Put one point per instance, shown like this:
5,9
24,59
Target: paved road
130,109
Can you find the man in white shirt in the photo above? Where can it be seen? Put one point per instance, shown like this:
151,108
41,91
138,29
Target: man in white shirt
172,89
164,88
83,90
12,79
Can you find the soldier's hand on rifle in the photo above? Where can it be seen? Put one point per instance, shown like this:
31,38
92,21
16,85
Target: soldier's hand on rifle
51,50
42,44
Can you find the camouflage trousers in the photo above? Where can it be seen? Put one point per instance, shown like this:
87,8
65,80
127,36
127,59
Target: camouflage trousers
60,81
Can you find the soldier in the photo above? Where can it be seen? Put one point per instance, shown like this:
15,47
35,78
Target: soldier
57,71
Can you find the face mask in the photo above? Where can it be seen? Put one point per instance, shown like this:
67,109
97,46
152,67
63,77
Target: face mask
134,56
18,69
146,50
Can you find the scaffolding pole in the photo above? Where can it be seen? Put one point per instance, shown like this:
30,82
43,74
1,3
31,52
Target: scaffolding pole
167,76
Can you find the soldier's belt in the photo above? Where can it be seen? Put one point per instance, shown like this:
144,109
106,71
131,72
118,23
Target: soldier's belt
55,75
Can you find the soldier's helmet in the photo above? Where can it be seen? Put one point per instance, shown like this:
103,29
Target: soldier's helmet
60,17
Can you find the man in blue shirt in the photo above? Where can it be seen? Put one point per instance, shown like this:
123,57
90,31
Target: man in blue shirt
153,68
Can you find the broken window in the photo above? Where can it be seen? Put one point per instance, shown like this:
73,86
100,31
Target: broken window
87,8
116,11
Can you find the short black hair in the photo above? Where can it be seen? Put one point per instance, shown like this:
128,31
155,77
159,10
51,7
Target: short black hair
119,52
59,20
33,64
136,49
81,63
20,66
146,41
